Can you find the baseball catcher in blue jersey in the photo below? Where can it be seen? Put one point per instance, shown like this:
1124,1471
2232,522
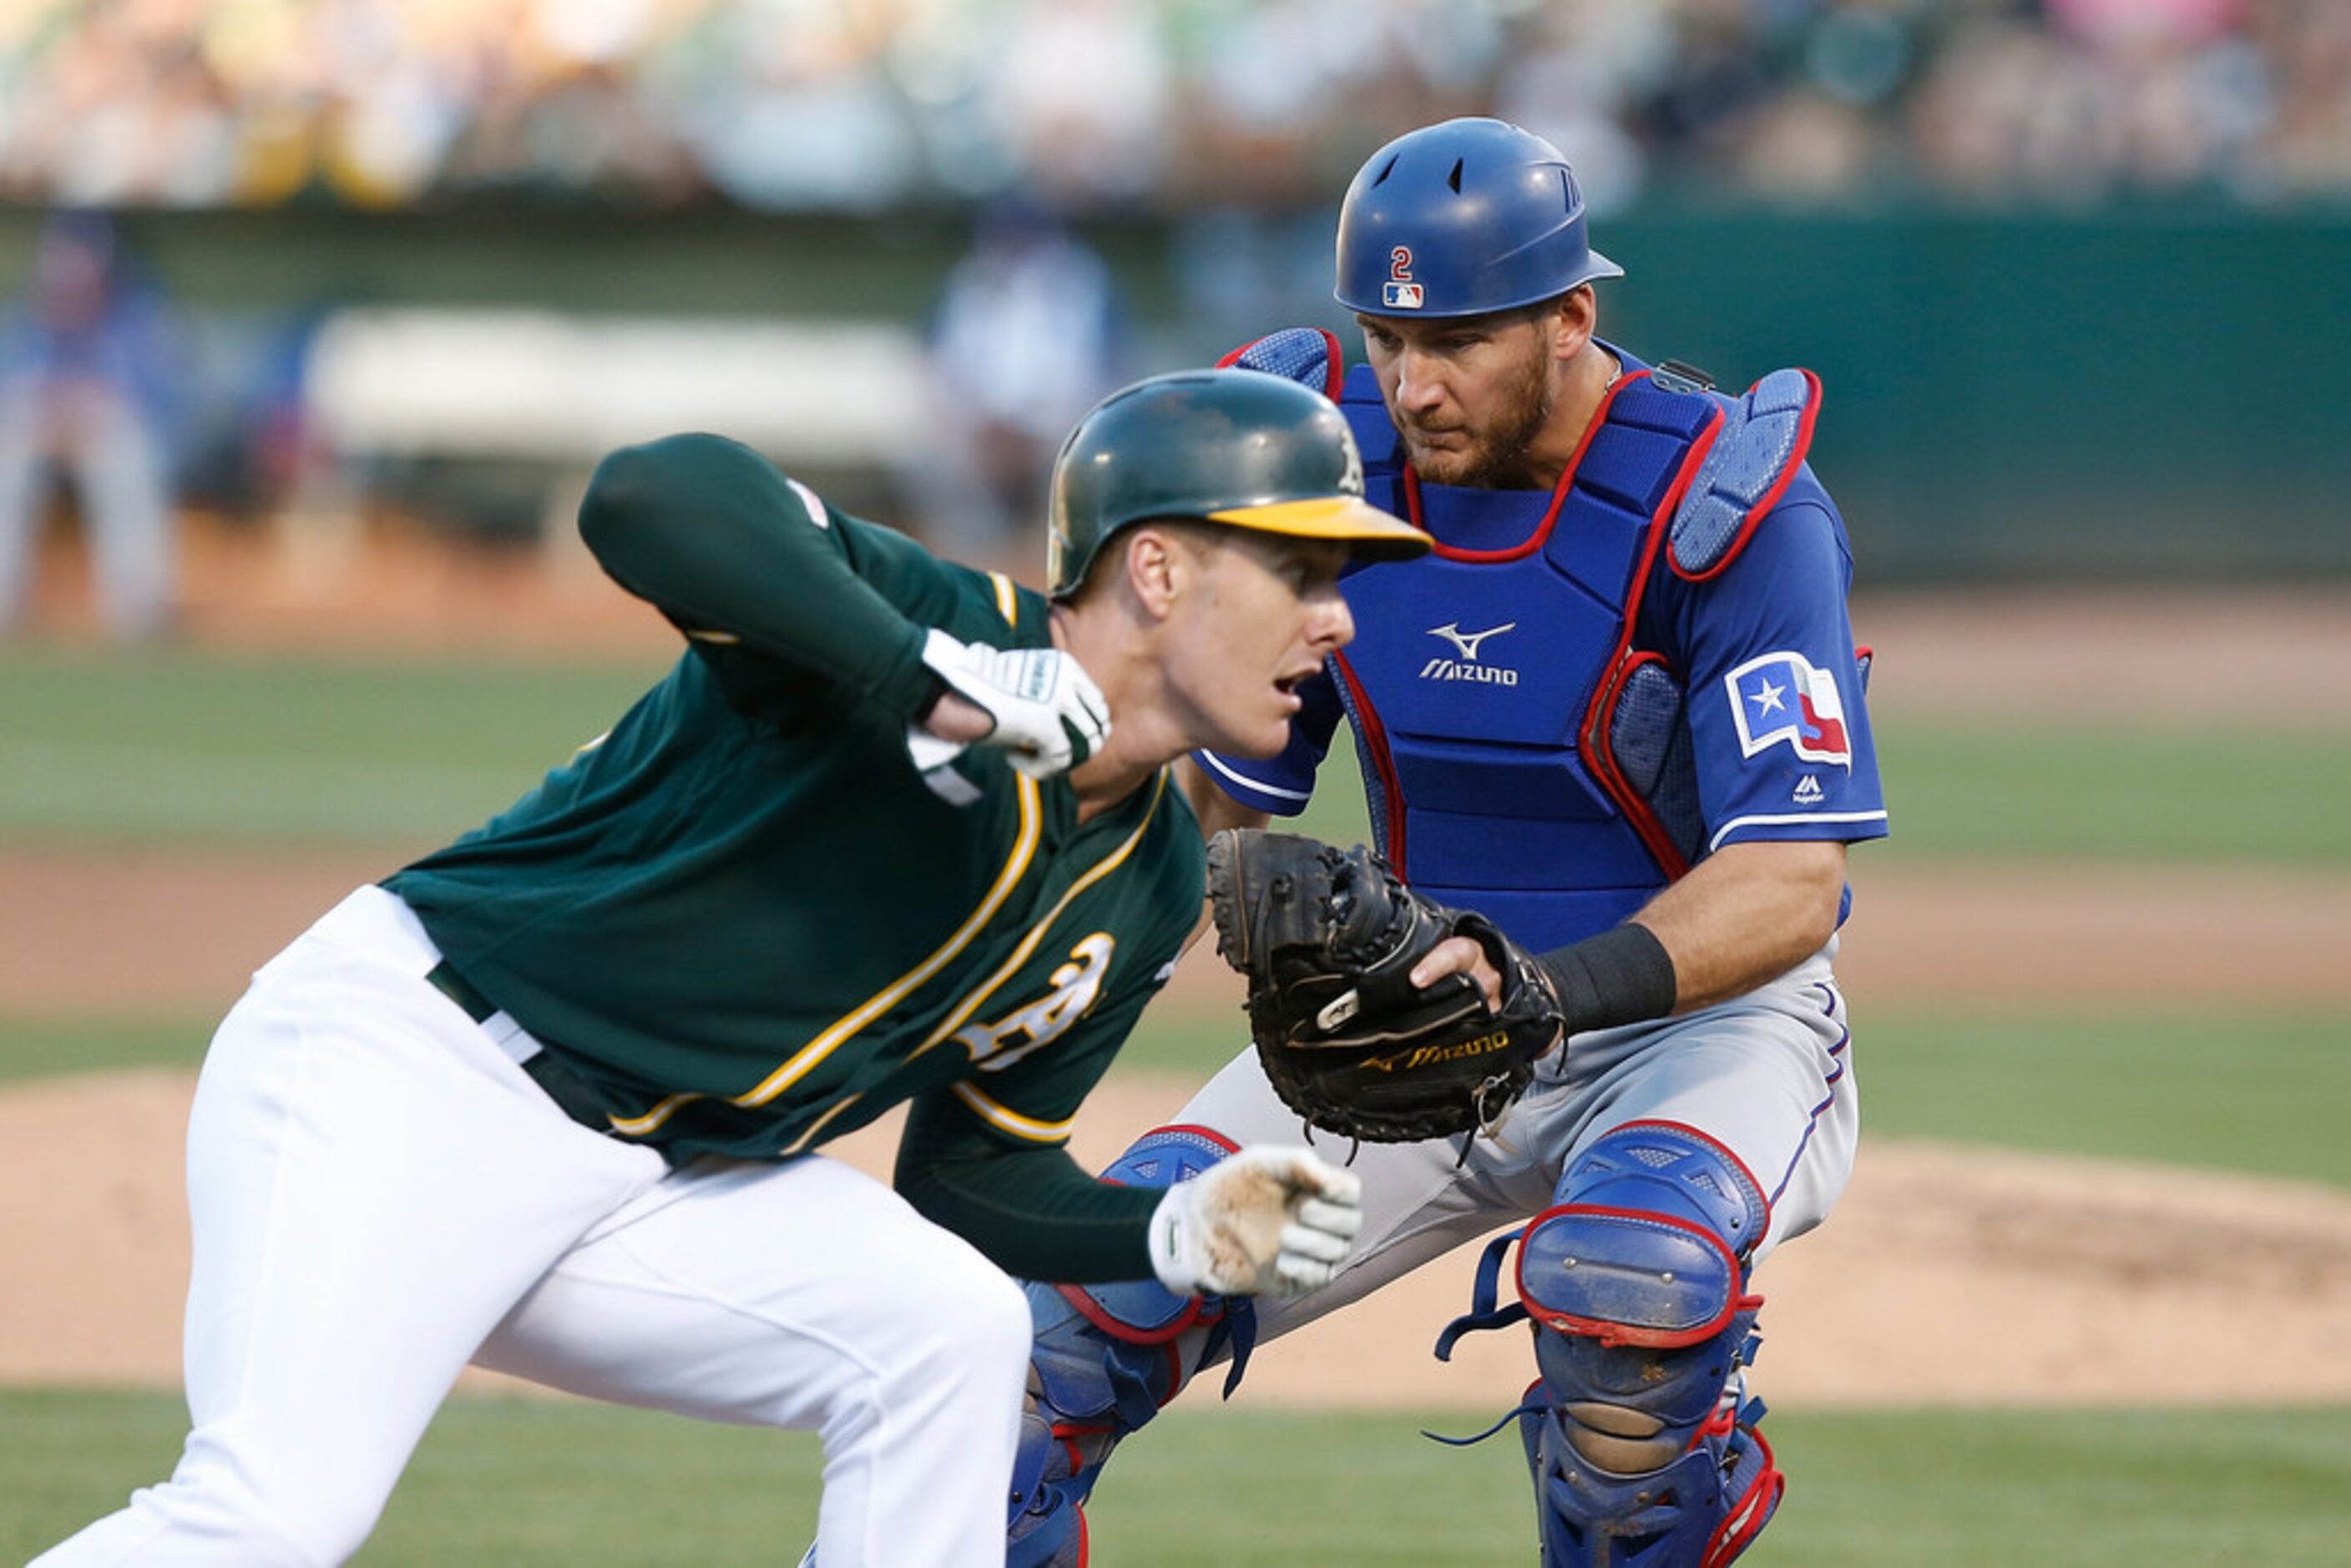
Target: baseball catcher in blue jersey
1617,712
892,832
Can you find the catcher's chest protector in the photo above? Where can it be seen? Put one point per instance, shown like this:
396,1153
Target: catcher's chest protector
1484,678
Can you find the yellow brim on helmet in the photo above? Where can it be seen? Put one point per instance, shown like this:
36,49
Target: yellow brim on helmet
1377,535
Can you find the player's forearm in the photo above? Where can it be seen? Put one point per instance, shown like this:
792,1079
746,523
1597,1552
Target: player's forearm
1745,915
1032,1212
709,531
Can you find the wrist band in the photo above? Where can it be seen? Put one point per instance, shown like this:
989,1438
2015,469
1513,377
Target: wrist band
1621,976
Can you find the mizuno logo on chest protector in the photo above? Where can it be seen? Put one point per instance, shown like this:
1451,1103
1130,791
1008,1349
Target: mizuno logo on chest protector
1468,667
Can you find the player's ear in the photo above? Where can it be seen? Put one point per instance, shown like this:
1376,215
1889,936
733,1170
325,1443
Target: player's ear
1574,316
1159,564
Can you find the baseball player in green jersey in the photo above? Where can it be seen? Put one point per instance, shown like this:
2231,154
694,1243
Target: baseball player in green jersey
546,1099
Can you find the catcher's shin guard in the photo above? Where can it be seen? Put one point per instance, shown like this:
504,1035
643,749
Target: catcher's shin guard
1106,1357
1644,1448
1700,1511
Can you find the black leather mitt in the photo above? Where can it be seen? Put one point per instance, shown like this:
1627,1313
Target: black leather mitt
1328,939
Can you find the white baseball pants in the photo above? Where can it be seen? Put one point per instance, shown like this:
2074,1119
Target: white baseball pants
379,1194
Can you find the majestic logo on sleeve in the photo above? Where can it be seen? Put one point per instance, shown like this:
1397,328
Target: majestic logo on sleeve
1781,697
997,1046
1400,292
1468,667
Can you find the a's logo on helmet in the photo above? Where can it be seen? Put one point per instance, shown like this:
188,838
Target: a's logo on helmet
1400,292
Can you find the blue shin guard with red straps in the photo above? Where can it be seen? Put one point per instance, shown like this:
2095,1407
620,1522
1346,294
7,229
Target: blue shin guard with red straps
1106,1357
1644,1448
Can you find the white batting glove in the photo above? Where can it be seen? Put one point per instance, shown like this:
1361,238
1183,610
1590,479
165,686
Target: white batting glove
1266,1219
1050,715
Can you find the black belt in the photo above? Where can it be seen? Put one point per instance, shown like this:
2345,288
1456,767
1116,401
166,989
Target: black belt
571,1093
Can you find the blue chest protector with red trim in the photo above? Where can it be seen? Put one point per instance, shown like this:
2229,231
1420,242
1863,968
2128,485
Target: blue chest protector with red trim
1517,697
1478,673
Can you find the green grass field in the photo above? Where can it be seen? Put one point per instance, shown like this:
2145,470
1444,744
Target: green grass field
211,747
2260,1095
520,1482
226,750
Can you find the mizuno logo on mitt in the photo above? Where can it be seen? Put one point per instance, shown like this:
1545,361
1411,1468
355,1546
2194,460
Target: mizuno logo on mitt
1425,1055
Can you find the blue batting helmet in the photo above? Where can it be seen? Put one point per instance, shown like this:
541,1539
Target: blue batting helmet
1460,218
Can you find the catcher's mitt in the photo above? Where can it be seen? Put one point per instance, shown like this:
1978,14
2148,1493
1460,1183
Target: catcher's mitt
1328,939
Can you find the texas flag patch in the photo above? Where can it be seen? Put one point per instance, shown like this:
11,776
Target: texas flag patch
1781,697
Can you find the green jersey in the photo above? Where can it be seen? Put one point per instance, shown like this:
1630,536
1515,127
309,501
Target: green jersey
744,918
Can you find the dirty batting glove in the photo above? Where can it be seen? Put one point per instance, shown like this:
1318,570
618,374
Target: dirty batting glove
1048,714
1266,1219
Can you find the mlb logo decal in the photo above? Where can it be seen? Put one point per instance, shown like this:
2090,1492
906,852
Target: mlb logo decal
1781,697
1400,292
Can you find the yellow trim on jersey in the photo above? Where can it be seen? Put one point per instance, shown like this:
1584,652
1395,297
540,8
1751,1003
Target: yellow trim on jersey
638,1127
1100,868
1007,1119
1008,599
705,635
890,995
810,1132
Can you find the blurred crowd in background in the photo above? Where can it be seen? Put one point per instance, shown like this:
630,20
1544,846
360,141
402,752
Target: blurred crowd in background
862,105
1229,128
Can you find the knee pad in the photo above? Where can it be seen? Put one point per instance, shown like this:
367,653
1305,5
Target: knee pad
1644,1449
1106,1358
1649,1241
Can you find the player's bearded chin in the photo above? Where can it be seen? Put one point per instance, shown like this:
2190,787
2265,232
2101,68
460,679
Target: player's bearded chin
1491,460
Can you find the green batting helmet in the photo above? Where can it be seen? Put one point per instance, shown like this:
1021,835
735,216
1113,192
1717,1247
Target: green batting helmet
1239,447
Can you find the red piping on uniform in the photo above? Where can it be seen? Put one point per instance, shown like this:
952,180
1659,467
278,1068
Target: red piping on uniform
1751,1513
1334,360
1210,1133
1542,534
1068,1436
1375,741
1599,758
1127,1333
1375,733
1755,514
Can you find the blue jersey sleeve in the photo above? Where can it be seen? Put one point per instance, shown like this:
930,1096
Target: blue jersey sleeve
1776,713
1282,785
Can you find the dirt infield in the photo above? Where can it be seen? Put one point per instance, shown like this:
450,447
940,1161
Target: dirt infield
175,931
1945,1275
1948,1275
